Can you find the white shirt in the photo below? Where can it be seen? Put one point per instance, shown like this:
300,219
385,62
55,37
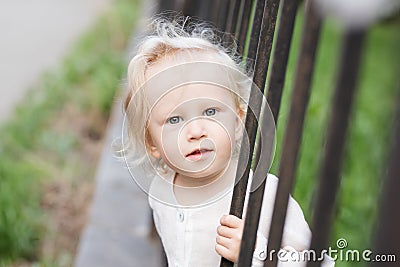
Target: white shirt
189,234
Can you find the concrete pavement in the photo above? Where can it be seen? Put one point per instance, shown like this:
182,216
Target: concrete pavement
118,231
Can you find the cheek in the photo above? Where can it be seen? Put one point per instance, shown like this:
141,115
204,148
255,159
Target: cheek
224,137
225,144
169,136
170,142
229,124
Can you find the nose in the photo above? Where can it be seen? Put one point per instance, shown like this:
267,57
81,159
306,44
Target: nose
195,130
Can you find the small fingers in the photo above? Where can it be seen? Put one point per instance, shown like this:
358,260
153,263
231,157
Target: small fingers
227,231
228,242
231,221
224,241
225,252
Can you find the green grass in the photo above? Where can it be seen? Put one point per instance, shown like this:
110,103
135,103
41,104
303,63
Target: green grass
366,152
32,151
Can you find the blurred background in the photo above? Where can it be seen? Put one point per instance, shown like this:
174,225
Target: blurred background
62,65
36,36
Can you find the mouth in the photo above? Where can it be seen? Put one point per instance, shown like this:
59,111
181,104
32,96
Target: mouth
198,153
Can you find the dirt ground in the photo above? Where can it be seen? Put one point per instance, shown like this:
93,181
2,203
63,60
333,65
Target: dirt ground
67,201
66,197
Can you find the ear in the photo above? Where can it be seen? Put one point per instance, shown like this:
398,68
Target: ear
239,127
154,152
151,147
239,122
241,111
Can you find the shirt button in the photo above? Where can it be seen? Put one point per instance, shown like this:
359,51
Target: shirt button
181,216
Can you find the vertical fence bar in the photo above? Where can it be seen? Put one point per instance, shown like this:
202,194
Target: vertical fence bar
233,17
166,5
255,34
239,20
223,13
280,59
388,231
191,7
261,68
239,191
265,43
263,158
266,142
230,23
336,137
264,51
294,128
205,10
244,24
215,11
281,55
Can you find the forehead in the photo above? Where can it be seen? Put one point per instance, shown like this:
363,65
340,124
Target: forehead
196,93
198,72
183,56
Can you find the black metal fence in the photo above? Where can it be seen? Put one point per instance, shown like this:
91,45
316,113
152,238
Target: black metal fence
254,22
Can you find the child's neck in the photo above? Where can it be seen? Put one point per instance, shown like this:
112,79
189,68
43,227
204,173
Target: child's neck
194,191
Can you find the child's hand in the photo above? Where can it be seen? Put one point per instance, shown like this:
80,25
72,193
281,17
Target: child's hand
229,237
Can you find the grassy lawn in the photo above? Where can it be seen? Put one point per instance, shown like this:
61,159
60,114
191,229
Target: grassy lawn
54,138
368,138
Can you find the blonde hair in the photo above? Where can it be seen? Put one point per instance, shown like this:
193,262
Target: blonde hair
167,39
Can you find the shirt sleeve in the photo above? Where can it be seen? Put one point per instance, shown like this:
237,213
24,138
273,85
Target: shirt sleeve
296,234
260,253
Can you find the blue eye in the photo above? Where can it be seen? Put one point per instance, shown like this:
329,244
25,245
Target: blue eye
174,120
210,112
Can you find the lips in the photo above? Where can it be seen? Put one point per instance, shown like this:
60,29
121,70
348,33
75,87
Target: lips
198,153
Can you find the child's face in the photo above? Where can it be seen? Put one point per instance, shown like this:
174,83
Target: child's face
194,129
